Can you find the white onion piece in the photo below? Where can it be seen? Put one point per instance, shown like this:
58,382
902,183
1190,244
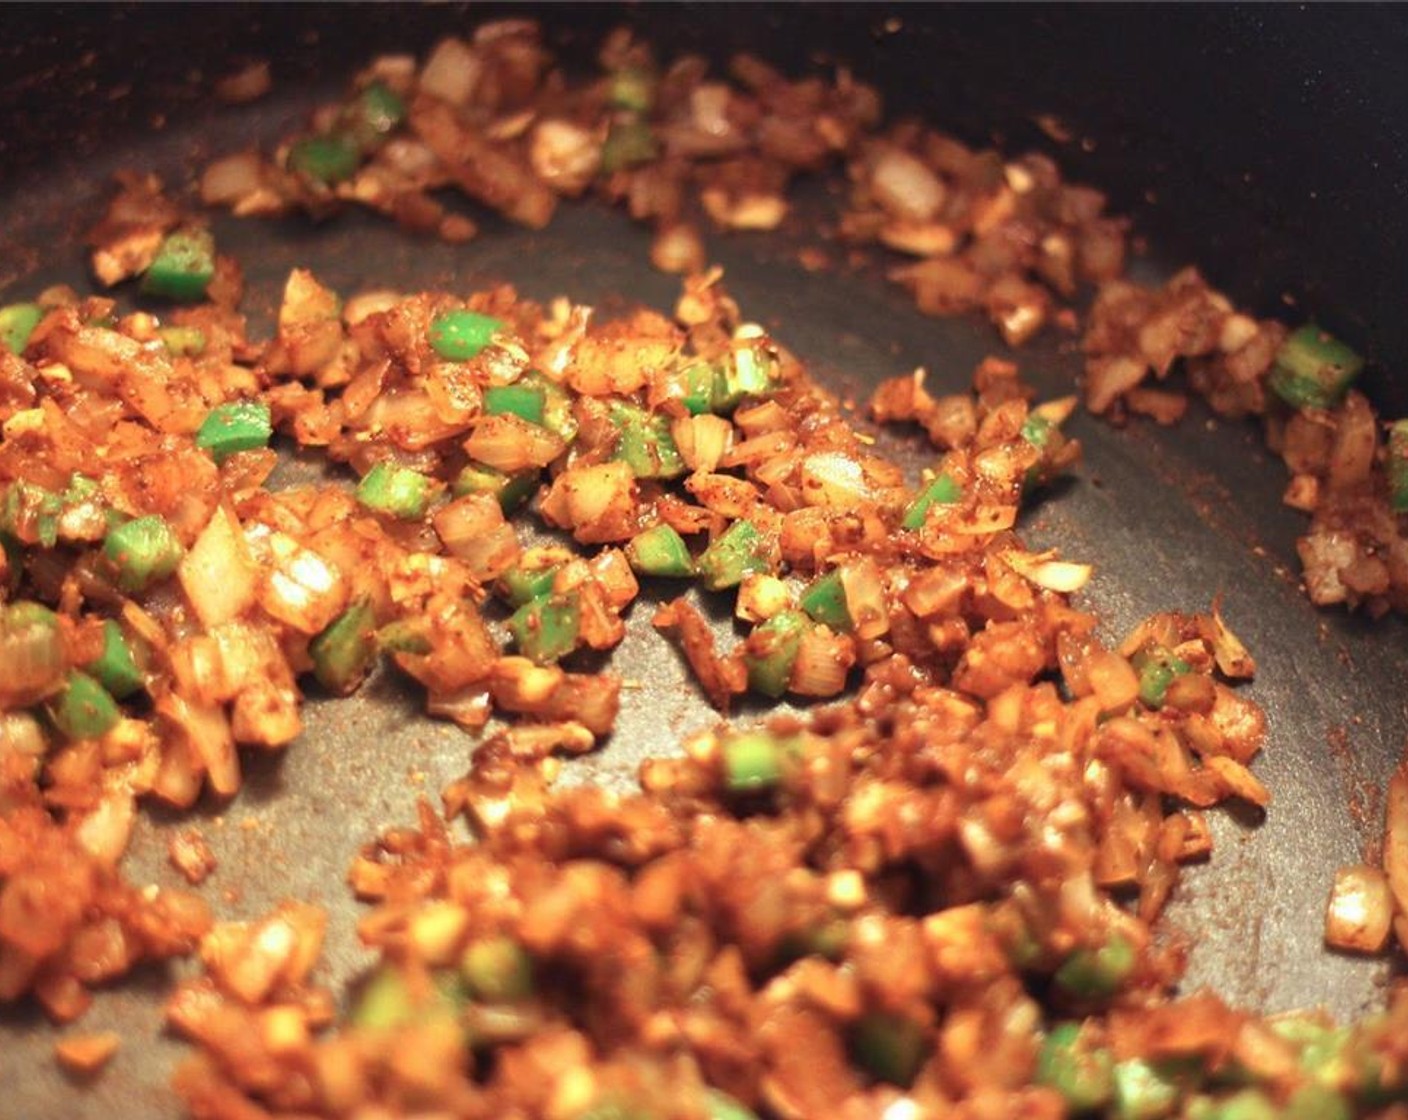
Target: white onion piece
452,71
231,178
1360,910
905,186
218,573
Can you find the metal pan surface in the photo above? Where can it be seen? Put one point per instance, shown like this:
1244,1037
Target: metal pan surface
1171,518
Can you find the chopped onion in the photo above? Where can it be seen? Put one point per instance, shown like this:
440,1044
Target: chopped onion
452,72
511,444
1360,910
905,186
218,574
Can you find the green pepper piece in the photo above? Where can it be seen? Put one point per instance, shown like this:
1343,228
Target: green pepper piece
1157,668
497,970
660,551
558,413
1037,430
30,513
546,630
739,551
1317,1102
524,401
1397,466
372,116
1313,369
235,426
942,491
747,371
890,1047
696,385
396,491
825,601
1144,1090
385,1001
345,651
628,144
116,668
1097,973
144,551
1247,1104
182,341
325,159
461,334
17,323
84,709
752,761
632,88
511,489
1081,1073
771,651
184,266
720,1106
644,443
532,577
404,635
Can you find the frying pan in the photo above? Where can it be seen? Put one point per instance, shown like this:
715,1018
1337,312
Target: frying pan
1268,144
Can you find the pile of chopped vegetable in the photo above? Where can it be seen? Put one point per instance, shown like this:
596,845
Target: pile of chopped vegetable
935,896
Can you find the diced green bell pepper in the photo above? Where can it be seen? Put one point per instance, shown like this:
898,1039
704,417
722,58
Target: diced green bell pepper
644,442
1080,1072
547,629
739,551
497,970
890,1047
532,577
184,266
143,551
659,551
771,652
1157,668
524,401
748,371
115,668
461,334
182,341
1397,466
396,491
386,1002
343,654
1247,1104
720,1106
17,323
512,490
329,159
83,709
825,602
405,635
371,116
632,88
1313,369
942,491
629,143
1097,973
697,383
1317,1102
752,761
1145,1090
235,426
